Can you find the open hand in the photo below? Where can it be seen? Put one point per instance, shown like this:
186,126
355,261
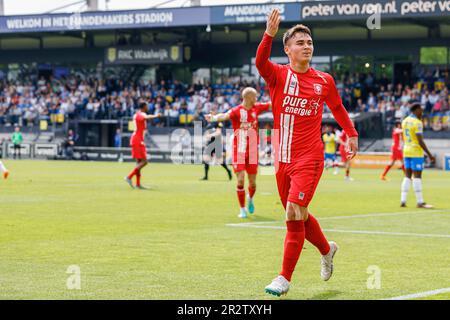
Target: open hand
273,22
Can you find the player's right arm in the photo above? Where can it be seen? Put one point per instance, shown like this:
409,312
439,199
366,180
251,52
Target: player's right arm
151,116
218,117
265,67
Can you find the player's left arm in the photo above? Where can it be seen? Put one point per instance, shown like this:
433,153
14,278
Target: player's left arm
263,107
334,102
424,146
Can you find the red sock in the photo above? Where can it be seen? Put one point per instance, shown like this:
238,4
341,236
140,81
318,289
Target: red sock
251,191
241,196
347,172
293,245
314,234
138,178
386,170
403,168
135,171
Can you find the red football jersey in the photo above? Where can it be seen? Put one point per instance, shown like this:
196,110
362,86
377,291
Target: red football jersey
242,120
140,125
396,138
344,137
297,106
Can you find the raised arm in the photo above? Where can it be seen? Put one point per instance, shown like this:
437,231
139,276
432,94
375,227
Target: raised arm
265,67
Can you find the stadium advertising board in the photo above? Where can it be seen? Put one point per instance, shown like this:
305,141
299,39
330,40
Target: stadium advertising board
354,9
231,14
253,13
45,150
105,20
144,55
371,160
115,154
25,149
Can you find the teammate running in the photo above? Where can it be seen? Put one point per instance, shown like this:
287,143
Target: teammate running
138,149
244,119
298,93
413,155
396,149
345,159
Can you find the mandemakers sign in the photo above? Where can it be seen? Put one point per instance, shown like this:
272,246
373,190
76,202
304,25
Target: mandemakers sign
144,55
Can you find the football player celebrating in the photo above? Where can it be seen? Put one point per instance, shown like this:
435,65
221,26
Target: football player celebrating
298,93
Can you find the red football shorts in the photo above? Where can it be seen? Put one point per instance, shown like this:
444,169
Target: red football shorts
344,155
298,181
139,151
241,163
396,154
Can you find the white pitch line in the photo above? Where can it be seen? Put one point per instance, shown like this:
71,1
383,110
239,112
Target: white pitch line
420,294
407,234
429,235
381,214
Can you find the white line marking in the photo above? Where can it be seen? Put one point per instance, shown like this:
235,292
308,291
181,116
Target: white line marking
430,235
407,234
381,214
420,294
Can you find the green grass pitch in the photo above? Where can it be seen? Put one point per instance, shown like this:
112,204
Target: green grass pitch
179,240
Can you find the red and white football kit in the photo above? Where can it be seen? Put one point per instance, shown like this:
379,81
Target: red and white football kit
344,137
396,149
138,149
246,137
297,106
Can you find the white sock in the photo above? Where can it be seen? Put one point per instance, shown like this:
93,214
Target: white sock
405,188
2,167
417,185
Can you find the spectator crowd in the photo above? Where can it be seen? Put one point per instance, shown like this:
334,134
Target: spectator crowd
26,102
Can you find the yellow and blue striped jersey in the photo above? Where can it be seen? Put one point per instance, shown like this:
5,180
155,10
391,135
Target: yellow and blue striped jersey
330,143
412,127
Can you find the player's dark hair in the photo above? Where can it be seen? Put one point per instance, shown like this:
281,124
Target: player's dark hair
295,29
142,105
397,123
414,106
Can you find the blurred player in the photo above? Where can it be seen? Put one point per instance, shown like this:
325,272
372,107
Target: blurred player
396,149
413,149
138,149
298,93
4,170
244,119
329,140
345,159
215,148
